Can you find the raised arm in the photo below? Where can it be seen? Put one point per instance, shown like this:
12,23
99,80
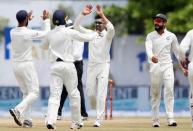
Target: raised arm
76,35
109,25
86,11
34,34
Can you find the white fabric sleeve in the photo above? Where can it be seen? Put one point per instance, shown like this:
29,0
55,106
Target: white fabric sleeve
45,43
36,35
78,27
176,48
76,35
185,45
149,47
110,30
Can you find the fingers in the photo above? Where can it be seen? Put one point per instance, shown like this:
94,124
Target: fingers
99,10
89,7
154,59
87,10
30,17
185,72
45,15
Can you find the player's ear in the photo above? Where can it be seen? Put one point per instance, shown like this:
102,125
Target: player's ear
66,18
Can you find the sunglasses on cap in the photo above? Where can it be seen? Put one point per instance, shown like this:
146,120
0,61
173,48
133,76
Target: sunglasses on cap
158,20
98,22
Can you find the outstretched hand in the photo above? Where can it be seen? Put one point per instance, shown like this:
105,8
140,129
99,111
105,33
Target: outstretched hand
45,15
99,10
30,16
87,10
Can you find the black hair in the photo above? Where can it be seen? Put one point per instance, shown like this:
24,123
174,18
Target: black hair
21,16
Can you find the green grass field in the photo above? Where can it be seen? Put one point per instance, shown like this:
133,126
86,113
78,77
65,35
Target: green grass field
117,124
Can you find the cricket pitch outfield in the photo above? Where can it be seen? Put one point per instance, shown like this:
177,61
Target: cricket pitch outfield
117,124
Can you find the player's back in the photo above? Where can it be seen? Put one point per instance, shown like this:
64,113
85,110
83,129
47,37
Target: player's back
60,44
21,44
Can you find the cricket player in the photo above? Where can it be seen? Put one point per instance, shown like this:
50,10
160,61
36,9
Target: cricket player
186,49
99,61
158,45
78,48
21,48
59,41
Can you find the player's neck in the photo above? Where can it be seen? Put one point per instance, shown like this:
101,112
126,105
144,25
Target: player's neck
22,24
160,32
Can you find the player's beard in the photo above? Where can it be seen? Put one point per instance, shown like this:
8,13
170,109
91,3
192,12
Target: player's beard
158,27
98,27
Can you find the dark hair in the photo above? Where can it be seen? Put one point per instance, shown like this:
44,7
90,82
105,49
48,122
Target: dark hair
97,16
59,17
21,16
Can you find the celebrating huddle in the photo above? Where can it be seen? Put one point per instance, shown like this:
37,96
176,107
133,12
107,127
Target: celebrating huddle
59,42
65,46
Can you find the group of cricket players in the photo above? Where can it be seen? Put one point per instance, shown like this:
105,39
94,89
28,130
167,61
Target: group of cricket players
60,43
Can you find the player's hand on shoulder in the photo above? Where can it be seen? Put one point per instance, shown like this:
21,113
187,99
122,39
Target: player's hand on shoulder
154,59
45,15
87,10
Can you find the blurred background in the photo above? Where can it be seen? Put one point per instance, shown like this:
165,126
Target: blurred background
129,69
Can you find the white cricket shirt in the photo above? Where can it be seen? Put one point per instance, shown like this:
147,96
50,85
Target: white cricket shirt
161,46
99,48
60,42
22,40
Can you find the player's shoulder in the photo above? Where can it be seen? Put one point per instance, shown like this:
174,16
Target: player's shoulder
151,34
190,32
169,33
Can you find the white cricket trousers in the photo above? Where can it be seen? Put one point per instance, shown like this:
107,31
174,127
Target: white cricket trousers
159,77
63,73
190,78
27,79
97,84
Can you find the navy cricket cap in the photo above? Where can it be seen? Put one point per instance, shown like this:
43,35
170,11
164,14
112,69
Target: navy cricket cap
59,17
162,16
21,15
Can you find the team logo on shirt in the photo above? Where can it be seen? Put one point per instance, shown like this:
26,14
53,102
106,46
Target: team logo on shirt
168,38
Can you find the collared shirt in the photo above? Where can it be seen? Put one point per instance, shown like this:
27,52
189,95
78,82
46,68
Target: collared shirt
187,46
99,48
22,40
161,46
60,42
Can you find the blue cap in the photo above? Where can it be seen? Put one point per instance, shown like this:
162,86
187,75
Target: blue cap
21,15
59,17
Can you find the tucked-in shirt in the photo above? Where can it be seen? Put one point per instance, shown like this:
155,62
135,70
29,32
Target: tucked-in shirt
22,41
60,42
